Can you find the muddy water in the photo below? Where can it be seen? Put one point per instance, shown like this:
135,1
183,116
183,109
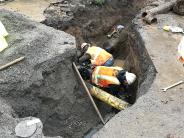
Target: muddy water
32,8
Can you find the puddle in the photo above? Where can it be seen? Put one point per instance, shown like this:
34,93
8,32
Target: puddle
32,8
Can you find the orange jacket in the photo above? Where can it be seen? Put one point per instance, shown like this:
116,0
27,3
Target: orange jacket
104,76
98,55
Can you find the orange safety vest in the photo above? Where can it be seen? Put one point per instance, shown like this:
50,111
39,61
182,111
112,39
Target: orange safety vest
104,76
98,55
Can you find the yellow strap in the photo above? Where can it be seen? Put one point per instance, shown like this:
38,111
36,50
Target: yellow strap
97,53
96,75
116,67
110,78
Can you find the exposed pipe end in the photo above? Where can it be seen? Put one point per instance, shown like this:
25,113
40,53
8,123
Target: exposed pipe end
144,14
154,21
150,19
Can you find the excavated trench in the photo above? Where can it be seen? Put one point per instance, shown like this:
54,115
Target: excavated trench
68,112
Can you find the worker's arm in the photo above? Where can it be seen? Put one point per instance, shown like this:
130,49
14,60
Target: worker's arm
84,58
79,53
109,47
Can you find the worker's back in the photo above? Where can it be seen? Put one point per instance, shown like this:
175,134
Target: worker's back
98,55
104,76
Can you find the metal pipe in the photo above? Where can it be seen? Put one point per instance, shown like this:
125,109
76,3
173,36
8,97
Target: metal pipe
149,15
163,8
107,98
150,19
88,93
11,63
178,7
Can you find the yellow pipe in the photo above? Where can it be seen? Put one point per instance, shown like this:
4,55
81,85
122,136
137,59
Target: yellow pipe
107,98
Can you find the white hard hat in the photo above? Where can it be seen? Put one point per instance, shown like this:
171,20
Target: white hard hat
120,27
130,77
84,45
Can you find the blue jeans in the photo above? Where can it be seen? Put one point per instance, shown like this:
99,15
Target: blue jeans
109,62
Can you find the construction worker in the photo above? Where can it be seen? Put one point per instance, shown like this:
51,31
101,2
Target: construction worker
96,55
110,78
105,76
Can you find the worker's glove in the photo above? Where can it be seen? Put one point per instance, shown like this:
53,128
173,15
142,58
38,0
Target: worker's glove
121,77
85,73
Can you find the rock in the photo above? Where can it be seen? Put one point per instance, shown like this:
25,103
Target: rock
24,130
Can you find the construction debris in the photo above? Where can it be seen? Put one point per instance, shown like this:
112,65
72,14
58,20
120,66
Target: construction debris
173,29
11,63
172,86
149,16
116,29
112,33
